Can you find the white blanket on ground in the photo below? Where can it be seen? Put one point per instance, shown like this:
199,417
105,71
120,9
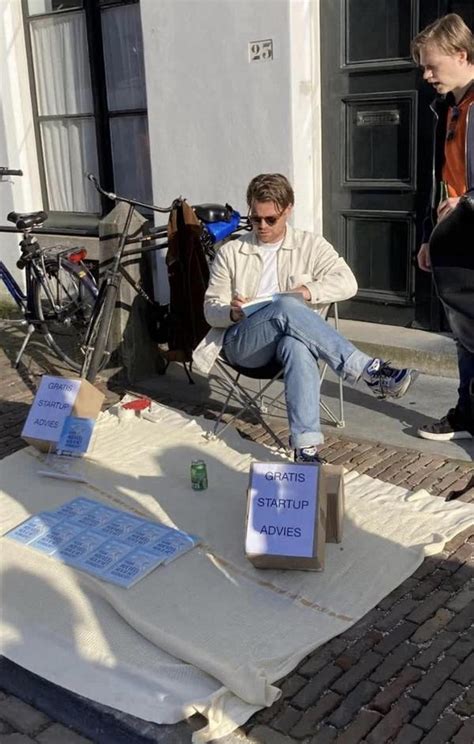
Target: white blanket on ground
207,633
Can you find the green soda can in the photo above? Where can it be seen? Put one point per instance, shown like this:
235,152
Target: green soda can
198,475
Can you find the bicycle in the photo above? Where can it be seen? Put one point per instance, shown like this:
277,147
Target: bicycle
60,290
218,222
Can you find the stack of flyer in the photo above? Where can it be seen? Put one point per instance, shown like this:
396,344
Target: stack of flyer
113,545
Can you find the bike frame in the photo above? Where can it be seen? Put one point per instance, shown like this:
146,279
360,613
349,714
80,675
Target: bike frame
139,251
22,299
13,288
33,261
100,324
34,272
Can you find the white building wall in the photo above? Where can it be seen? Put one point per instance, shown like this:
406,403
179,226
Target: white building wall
215,118
17,138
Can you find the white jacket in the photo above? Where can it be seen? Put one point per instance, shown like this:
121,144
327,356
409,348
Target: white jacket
308,259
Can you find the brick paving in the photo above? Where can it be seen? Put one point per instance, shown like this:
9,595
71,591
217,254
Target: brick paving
402,674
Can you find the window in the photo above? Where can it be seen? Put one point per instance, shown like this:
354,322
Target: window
87,68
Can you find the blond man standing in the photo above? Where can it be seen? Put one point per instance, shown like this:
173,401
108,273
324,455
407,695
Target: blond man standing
445,52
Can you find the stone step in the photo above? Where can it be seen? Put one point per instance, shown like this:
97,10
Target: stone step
431,353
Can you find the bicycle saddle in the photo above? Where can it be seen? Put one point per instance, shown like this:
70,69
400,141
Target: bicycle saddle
27,220
213,212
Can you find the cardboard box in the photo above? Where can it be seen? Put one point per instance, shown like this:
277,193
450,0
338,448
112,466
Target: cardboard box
55,400
286,516
291,511
334,484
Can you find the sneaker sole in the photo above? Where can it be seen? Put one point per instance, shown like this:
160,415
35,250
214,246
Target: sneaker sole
446,437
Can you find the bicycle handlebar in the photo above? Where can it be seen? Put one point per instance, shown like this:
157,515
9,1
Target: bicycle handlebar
6,171
115,197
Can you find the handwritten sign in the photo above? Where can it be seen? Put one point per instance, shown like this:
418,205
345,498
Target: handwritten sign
52,405
282,508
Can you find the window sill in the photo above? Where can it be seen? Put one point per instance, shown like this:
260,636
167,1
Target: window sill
61,223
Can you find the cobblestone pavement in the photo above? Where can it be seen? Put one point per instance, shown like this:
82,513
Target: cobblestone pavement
402,674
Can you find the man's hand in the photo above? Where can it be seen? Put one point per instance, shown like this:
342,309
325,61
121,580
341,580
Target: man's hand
447,206
304,291
423,258
236,312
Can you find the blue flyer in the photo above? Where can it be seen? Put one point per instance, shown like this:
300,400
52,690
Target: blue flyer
34,527
146,534
74,551
102,558
96,517
76,507
75,435
132,567
56,536
172,545
113,545
122,525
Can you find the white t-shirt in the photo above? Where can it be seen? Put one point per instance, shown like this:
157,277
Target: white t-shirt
269,279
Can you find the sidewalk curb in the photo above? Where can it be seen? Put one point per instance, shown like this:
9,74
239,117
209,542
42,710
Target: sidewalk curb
433,363
99,722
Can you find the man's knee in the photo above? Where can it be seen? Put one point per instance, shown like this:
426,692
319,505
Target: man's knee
288,346
286,304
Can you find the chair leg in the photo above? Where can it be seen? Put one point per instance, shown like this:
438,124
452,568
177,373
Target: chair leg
338,420
263,408
247,402
341,423
244,400
232,382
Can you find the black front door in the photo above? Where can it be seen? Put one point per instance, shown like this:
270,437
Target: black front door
376,136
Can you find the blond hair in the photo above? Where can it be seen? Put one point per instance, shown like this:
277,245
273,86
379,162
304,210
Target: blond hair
449,34
271,187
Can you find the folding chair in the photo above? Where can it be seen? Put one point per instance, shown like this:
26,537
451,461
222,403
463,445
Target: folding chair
229,377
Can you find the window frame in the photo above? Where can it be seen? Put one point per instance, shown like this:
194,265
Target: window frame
80,222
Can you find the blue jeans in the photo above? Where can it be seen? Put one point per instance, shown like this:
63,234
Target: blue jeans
297,337
452,262
462,328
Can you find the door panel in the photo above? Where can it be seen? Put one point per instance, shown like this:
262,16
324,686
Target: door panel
379,133
378,33
380,245
376,129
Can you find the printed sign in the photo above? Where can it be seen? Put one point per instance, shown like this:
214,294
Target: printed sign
282,509
52,405
75,435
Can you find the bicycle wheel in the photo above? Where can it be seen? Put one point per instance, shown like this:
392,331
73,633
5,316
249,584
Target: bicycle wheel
96,342
64,300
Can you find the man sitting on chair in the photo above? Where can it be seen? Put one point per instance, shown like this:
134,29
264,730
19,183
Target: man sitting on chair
278,258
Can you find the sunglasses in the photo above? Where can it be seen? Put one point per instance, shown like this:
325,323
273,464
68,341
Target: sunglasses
455,113
272,220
